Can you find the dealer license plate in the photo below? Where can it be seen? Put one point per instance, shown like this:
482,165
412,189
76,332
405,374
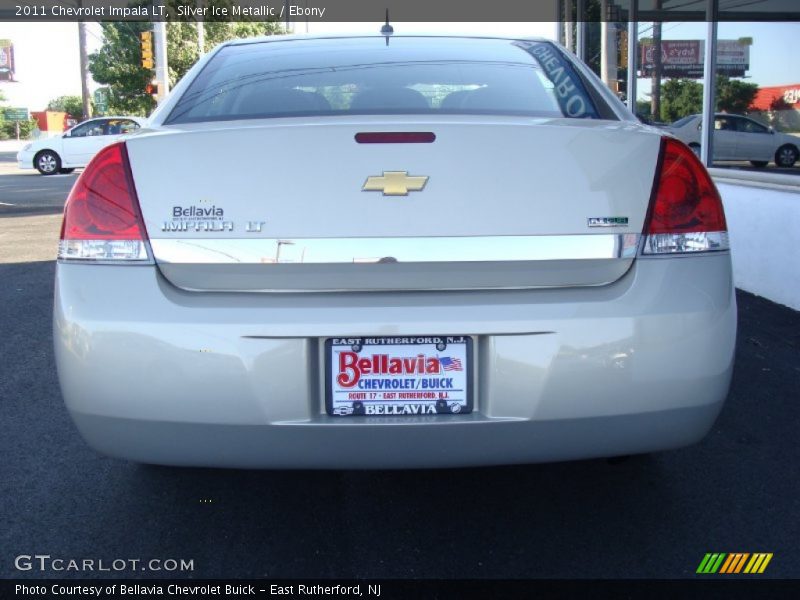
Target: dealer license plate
420,375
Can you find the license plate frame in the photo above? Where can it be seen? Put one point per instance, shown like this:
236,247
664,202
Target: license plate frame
455,361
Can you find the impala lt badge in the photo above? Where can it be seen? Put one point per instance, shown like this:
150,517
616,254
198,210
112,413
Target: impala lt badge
197,226
394,183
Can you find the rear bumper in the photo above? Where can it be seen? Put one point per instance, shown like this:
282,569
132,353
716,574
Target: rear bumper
328,443
155,374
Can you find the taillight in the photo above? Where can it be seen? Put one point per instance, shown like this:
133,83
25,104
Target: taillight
686,212
102,220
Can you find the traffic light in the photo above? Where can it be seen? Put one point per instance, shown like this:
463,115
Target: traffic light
152,89
623,49
147,49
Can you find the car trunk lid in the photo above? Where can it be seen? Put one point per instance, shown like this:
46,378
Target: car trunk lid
293,204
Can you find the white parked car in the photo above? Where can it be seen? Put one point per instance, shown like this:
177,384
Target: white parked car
76,147
405,252
738,138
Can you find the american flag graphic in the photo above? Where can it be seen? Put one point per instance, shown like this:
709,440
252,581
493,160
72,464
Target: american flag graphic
451,364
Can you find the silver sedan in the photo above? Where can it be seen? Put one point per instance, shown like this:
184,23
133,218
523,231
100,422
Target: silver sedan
375,252
738,138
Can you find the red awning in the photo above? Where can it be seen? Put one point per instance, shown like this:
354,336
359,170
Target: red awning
788,94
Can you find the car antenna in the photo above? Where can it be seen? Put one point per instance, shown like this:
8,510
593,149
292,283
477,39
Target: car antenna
387,29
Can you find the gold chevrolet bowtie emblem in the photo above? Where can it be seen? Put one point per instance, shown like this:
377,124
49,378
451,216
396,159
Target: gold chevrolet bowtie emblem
394,183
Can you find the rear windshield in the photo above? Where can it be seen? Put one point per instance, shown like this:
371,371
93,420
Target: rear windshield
348,76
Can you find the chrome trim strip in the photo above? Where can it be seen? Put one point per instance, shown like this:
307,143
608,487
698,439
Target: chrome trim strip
510,248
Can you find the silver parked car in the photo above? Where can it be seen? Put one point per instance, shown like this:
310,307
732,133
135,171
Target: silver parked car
393,252
738,138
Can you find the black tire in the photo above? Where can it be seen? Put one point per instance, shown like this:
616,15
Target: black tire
786,155
759,163
66,171
47,162
696,149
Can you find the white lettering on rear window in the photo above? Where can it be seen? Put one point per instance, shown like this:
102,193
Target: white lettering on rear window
570,95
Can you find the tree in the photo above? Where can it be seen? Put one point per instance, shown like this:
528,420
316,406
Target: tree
72,105
117,64
782,115
643,110
679,98
734,96
182,41
682,97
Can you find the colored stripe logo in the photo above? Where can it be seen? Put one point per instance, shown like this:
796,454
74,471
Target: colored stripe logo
735,562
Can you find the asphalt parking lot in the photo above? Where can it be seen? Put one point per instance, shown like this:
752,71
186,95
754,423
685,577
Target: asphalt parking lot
649,516
27,192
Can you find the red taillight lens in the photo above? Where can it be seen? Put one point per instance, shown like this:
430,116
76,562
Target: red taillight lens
686,211
103,203
102,220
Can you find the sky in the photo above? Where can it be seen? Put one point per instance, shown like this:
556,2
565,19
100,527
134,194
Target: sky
47,63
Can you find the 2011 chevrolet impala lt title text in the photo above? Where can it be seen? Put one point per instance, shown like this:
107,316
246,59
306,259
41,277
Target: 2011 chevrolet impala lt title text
392,251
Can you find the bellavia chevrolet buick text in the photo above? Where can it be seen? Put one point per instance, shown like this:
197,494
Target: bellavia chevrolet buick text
393,252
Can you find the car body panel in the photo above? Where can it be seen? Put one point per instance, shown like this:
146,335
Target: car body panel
79,149
725,139
756,141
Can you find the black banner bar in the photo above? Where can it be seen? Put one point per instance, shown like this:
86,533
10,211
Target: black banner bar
710,588
374,10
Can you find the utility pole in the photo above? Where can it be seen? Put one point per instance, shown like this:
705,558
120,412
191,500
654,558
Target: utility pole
608,46
655,98
84,61
569,34
580,24
709,82
201,39
162,69
633,42
559,22
201,31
